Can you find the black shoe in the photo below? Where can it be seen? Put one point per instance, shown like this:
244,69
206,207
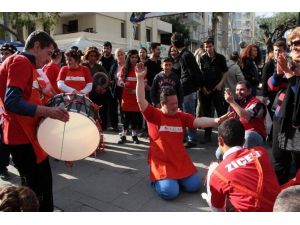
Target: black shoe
190,144
115,129
4,175
135,140
122,140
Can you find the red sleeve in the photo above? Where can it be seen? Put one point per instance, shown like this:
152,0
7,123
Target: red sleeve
51,72
217,195
63,73
20,74
187,119
152,114
87,75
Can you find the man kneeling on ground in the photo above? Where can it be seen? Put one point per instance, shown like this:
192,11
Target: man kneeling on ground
169,163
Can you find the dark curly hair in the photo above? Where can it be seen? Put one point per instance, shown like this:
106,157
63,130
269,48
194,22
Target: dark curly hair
18,199
75,54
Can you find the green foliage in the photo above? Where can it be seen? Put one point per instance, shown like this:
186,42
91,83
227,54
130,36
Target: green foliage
177,26
273,28
279,19
18,20
21,19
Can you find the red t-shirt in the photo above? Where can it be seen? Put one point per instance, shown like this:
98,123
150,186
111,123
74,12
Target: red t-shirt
239,168
75,78
52,70
16,71
167,156
129,102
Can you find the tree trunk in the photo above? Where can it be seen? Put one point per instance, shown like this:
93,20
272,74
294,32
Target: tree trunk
18,35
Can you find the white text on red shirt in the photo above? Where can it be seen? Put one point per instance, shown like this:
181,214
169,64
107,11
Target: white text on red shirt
242,161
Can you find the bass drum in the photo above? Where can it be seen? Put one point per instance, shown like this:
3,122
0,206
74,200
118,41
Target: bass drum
75,139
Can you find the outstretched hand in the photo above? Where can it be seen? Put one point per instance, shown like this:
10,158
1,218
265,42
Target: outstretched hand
140,70
226,116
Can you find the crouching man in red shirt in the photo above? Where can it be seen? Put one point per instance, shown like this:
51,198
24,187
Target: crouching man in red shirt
169,163
245,180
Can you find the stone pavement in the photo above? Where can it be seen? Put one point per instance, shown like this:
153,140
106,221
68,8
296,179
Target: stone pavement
117,180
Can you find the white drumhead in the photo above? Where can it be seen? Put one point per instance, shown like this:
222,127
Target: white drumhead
74,140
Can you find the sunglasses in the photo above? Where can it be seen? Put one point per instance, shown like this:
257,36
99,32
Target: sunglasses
295,43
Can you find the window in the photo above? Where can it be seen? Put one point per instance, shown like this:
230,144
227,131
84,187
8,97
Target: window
238,15
238,24
148,35
137,33
73,26
65,28
123,30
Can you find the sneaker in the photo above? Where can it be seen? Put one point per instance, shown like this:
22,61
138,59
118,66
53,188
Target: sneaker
135,140
190,144
122,140
4,175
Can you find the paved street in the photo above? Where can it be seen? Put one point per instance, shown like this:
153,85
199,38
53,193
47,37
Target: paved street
117,180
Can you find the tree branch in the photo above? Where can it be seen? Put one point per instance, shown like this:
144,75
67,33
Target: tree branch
11,31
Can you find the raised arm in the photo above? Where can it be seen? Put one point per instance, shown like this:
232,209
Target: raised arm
204,122
238,109
140,73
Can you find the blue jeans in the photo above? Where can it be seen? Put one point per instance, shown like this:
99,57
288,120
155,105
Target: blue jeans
252,139
189,106
169,188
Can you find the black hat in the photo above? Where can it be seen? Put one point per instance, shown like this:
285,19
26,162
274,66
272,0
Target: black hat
8,47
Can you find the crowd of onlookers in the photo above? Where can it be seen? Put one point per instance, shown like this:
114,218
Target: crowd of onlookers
204,82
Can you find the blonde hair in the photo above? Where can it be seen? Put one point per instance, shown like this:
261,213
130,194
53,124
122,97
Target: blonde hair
118,50
295,33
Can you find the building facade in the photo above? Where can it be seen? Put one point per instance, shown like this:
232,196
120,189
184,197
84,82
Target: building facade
197,23
241,28
86,29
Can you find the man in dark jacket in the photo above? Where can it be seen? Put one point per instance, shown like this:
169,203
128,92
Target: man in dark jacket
191,80
107,60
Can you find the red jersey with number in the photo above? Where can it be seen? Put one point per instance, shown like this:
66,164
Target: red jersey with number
244,181
75,78
167,156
